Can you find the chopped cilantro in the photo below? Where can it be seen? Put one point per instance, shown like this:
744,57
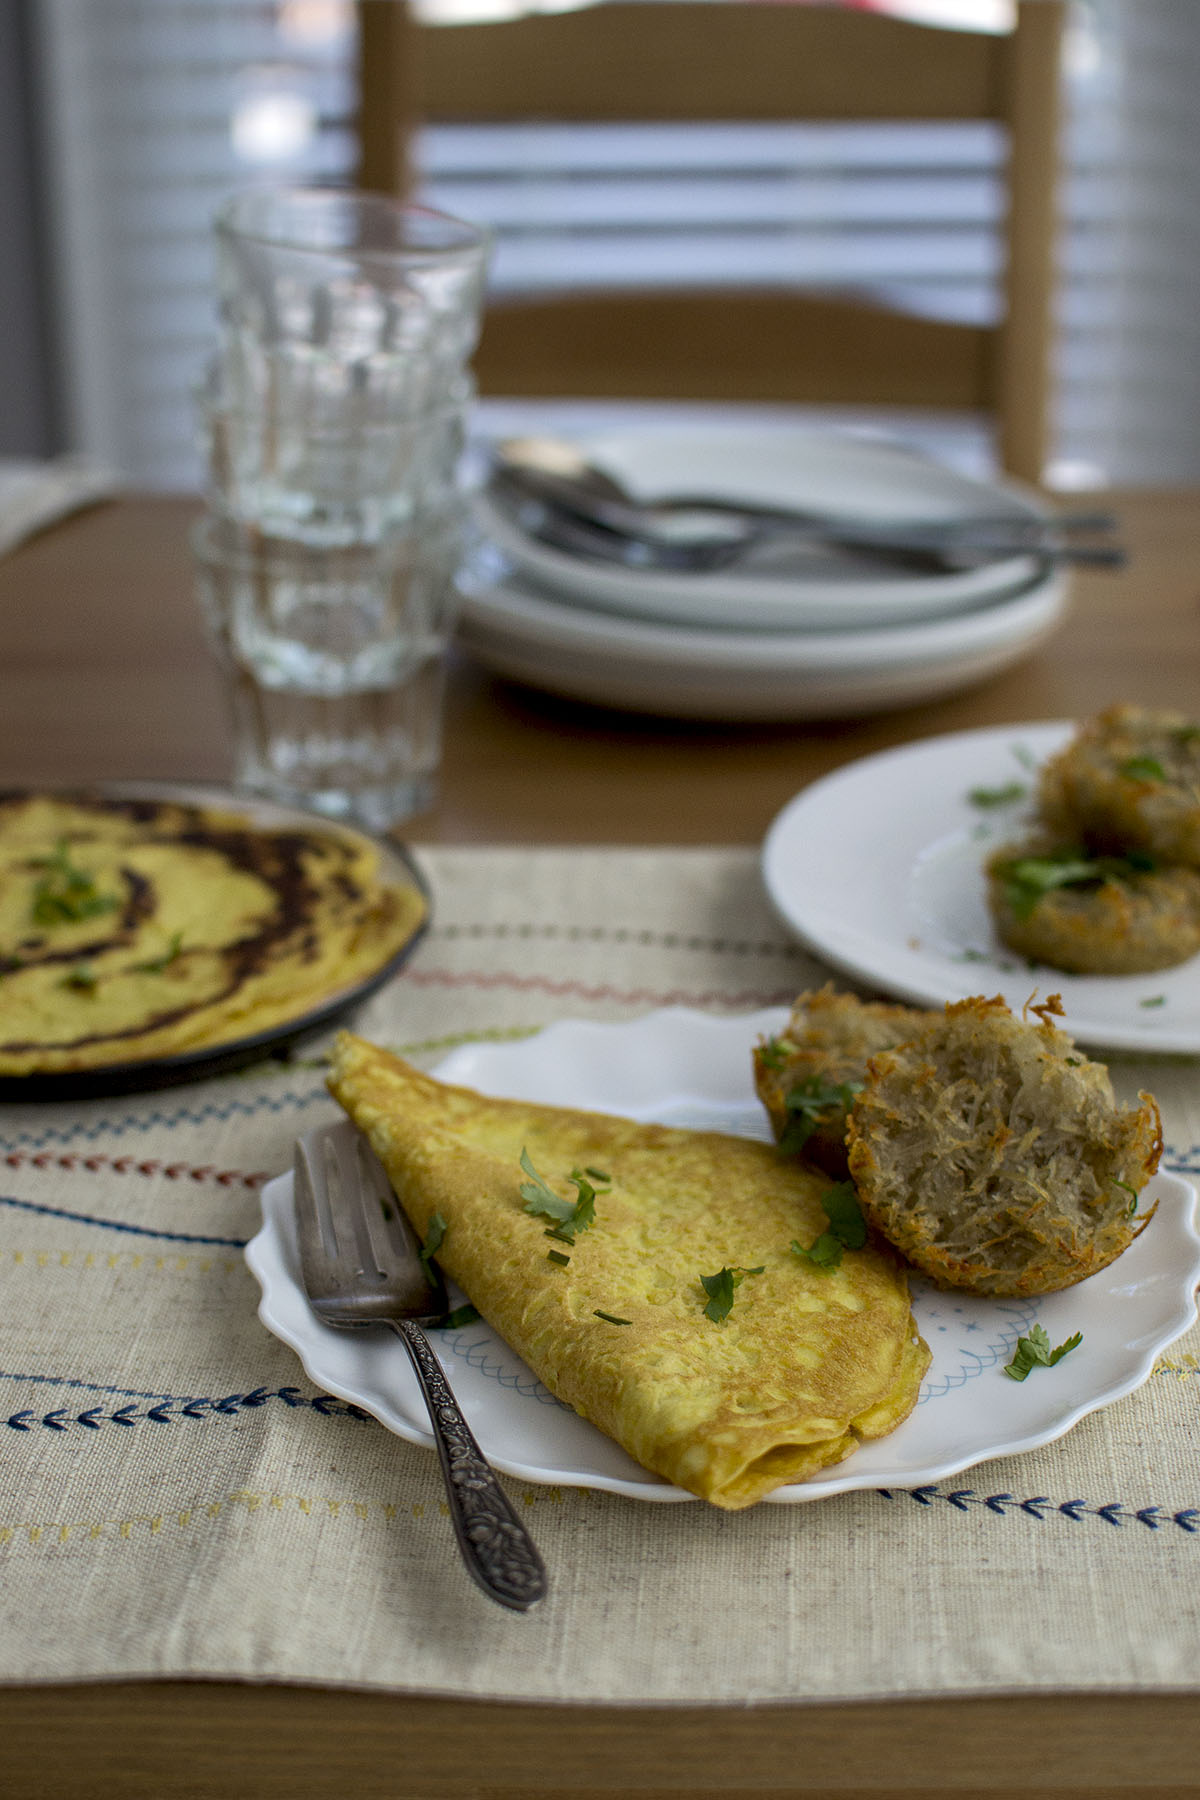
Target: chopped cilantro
825,1251
809,1104
720,1287
1133,1204
845,1215
1144,768
570,1216
1028,879
1154,1000
847,1228
611,1318
998,796
66,893
1034,1351
155,965
82,976
461,1315
773,1053
435,1237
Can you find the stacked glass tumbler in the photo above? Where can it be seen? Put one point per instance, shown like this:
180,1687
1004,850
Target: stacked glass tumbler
333,419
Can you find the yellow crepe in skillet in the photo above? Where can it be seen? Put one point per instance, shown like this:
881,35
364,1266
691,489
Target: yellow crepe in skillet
806,1363
140,928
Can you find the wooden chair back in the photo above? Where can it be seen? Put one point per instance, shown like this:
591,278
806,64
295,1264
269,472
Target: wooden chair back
627,60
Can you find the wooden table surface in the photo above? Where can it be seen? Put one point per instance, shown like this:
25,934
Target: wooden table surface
104,673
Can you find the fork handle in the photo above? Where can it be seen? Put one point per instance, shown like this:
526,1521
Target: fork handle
498,1551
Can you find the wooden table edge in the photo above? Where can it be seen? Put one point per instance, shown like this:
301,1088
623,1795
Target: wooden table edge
281,1741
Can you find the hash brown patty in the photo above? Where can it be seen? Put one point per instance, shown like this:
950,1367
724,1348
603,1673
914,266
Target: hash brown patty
995,1156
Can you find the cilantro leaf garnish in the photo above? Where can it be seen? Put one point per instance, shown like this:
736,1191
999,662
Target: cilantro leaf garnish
720,1288
845,1215
1034,1352
1133,1204
847,1228
82,976
772,1053
155,965
435,1237
825,1251
1028,879
570,1216
539,1198
610,1318
1144,768
461,1315
808,1104
999,796
66,893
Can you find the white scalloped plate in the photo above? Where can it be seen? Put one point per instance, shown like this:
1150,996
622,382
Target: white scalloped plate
688,1068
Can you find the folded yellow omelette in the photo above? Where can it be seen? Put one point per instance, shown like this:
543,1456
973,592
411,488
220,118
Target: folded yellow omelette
806,1362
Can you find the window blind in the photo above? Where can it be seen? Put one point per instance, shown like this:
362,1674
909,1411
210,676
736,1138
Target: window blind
142,102
154,110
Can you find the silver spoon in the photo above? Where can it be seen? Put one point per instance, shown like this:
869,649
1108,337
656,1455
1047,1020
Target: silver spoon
611,532
557,473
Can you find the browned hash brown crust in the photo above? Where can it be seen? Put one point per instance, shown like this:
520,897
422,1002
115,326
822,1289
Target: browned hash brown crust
824,1047
1129,779
1127,922
995,1156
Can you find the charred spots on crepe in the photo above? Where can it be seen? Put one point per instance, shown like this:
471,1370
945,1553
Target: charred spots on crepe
136,928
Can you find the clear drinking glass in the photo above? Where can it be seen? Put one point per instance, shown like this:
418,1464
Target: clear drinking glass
339,484
341,309
335,659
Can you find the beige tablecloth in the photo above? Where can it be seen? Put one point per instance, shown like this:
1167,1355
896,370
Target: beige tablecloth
176,1498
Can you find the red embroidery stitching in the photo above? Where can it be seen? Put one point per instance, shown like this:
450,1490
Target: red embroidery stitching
599,991
123,1165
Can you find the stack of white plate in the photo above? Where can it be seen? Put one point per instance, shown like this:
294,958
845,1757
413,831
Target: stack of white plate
796,631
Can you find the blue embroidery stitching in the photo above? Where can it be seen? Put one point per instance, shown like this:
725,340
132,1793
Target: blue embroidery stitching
167,1407
1040,1507
175,1237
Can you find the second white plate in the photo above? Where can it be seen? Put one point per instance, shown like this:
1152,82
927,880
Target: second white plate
878,868
674,671
805,587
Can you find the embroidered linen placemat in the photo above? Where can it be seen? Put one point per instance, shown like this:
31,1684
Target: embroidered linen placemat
178,1499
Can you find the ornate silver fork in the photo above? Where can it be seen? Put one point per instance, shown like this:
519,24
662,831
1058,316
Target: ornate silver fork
362,1266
